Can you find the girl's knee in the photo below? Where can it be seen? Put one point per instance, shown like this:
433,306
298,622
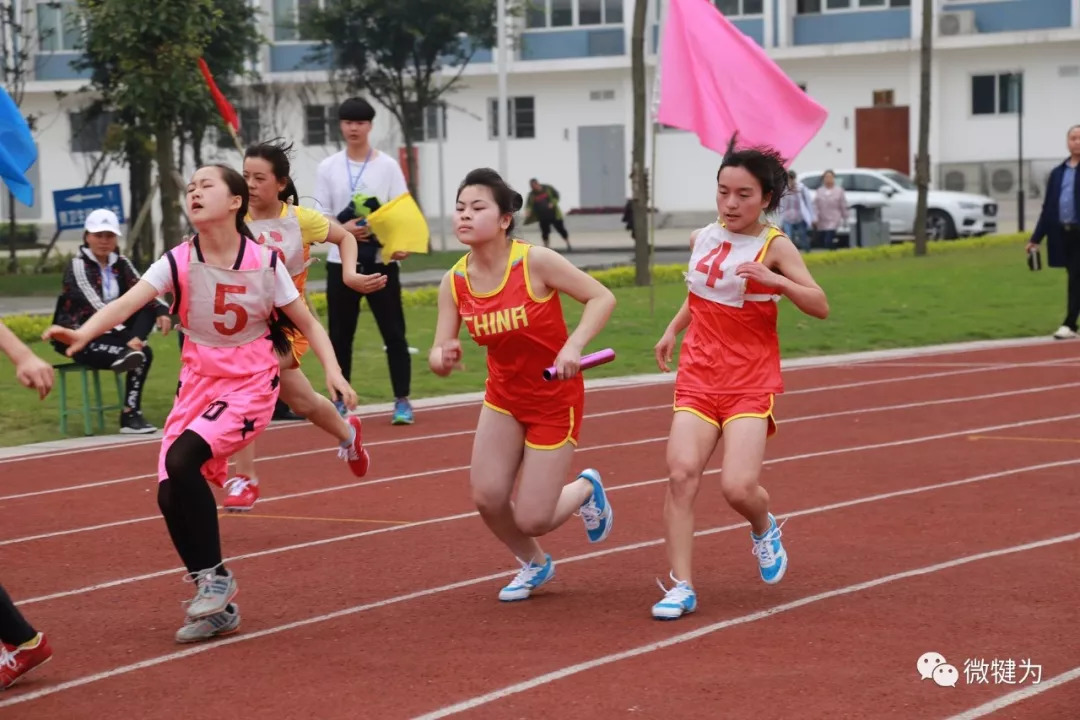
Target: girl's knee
739,491
489,501
532,524
185,457
683,481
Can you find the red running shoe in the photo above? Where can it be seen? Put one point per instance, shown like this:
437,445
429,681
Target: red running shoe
16,661
243,494
354,453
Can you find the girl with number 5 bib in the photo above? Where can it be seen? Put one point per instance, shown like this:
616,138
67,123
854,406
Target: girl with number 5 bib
227,290
729,368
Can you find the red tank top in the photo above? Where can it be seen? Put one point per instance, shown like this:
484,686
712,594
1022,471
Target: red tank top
731,345
521,332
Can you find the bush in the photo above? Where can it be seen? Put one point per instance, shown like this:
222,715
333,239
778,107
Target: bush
29,328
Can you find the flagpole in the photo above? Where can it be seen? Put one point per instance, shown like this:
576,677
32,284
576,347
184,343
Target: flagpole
501,109
654,119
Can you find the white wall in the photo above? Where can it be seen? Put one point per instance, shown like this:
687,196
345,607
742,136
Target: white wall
1051,104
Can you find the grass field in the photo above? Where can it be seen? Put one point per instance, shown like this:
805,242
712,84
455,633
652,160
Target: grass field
976,294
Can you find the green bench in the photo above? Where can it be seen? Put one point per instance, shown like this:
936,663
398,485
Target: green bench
87,409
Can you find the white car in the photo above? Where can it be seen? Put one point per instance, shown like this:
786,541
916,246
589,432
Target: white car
949,214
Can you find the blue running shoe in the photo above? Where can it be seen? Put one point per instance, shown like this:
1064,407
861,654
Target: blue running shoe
678,601
596,512
402,412
772,558
531,577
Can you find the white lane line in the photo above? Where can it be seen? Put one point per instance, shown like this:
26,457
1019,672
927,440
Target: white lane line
1017,696
463,516
856,411
61,448
345,612
410,476
681,638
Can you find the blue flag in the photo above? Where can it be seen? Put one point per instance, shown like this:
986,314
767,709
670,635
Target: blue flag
18,152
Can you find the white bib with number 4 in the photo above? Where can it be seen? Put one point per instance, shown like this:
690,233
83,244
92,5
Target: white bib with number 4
717,252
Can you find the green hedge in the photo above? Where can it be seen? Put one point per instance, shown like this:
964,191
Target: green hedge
29,327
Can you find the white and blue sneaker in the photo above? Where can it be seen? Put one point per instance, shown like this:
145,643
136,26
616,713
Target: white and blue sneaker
596,512
772,558
531,577
678,601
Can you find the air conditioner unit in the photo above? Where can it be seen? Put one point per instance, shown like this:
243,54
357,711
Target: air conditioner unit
957,22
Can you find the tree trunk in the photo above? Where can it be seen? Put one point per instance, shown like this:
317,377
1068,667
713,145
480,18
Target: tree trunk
170,193
140,166
922,162
13,263
639,179
410,167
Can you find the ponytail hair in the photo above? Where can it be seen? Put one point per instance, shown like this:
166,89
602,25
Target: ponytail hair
276,152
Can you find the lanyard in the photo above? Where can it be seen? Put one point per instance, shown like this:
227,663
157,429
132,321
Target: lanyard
353,183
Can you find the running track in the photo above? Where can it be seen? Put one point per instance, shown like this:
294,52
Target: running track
931,505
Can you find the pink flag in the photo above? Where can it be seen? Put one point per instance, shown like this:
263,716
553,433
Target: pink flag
716,80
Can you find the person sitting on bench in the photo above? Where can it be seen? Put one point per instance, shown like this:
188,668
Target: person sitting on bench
97,275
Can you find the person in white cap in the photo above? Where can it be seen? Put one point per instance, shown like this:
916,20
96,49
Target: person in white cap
97,275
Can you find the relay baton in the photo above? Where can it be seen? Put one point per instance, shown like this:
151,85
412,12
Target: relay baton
589,361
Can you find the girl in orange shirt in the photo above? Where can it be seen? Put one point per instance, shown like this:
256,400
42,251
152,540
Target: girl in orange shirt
729,369
507,292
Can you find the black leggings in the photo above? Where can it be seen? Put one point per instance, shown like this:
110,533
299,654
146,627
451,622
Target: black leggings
188,504
106,350
14,630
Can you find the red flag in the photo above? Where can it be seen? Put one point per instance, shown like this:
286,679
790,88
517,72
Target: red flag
228,114
716,80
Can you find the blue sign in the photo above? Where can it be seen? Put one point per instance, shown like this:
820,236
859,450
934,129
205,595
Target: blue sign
72,206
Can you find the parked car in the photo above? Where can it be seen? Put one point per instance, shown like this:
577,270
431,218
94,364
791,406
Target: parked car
949,214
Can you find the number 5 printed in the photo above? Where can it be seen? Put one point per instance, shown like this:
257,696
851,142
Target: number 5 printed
710,264
221,307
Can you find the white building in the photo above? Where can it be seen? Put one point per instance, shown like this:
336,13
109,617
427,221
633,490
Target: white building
571,100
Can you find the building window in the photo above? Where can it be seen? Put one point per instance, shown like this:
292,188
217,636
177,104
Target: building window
321,125
740,8
541,14
426,127
249,129
58,26
997,94
520,120
291,18
88,130
812,7
883,98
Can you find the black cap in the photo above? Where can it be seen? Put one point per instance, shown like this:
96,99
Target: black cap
356,109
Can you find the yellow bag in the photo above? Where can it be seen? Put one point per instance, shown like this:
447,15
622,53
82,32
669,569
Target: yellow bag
400,226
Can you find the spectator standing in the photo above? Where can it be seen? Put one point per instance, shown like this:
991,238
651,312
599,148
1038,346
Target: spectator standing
830,209
349,184
1059,223
797,212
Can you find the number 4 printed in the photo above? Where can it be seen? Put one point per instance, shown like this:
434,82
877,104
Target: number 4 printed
710,264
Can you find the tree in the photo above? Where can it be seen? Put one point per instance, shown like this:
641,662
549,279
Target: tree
922,162
396,51
17,38
638,175
144,56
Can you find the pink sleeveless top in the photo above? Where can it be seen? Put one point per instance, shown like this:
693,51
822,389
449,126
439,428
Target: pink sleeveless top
225,312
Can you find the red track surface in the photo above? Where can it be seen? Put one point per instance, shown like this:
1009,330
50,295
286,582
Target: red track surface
377,598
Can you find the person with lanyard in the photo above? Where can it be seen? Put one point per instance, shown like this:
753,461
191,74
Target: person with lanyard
348,185
97,275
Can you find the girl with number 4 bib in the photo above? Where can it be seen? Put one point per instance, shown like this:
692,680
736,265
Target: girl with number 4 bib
228,291
729,367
